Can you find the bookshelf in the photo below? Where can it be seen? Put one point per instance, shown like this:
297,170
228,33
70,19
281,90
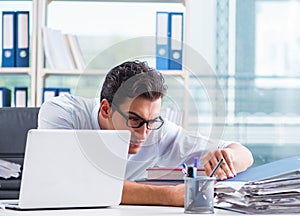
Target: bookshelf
39,73
31,70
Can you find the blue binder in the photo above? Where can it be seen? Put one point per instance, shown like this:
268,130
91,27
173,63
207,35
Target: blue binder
175,40
275,169
62,91
49,93
8,38
5,97
22,39
162,40
21,96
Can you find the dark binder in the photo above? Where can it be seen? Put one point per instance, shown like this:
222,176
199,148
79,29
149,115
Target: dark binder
22,39
5,97
162,40
176,40
21,96
8,38
49,93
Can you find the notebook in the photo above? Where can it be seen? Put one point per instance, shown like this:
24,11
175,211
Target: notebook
73,169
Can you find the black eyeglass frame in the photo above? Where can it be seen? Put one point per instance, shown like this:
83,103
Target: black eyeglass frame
143,121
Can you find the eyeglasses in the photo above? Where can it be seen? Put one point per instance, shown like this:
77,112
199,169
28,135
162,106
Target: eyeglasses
137,121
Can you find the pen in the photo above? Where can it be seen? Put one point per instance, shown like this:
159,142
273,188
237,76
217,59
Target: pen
211,174
216,167
184,168
196,162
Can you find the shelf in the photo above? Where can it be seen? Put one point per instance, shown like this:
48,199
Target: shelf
46,72
128,1
16,70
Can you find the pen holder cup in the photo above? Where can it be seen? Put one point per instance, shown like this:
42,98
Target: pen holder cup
199,195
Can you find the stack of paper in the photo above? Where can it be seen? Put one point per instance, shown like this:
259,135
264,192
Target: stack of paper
265,192
9,169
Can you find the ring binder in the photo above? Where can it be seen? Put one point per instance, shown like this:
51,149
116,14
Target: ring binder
21,96
162,41
176,38
169,39
22,39
8,38
5,97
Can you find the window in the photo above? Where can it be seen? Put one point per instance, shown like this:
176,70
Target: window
266,78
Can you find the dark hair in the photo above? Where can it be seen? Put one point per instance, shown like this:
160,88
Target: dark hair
132,79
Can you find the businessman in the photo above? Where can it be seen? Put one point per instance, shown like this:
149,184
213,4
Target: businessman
131,99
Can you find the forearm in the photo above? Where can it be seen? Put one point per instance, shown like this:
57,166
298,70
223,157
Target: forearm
142,194
241,156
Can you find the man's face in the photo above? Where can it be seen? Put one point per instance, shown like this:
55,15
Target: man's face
138,109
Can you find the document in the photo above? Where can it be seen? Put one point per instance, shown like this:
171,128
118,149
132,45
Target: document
9,169
270,188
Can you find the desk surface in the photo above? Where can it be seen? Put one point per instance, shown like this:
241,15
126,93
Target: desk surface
122,210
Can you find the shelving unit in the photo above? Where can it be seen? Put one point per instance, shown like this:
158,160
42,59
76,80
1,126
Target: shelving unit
39,73
32,70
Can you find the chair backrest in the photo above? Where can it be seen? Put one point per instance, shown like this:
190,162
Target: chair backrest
14,125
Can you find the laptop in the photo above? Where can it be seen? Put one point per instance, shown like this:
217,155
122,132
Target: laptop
73,169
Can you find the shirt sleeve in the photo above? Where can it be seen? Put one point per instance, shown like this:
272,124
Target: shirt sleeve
178,145
54,114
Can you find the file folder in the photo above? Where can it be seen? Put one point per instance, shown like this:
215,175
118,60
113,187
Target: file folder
8,38
5,97
270,170
22,39
162,40
62,91
49,93
21,96
175,41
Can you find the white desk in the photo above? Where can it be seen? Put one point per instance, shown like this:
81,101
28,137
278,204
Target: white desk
122,210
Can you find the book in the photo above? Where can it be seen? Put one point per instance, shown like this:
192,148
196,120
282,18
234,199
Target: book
159,181
167,173
76,52
56,50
